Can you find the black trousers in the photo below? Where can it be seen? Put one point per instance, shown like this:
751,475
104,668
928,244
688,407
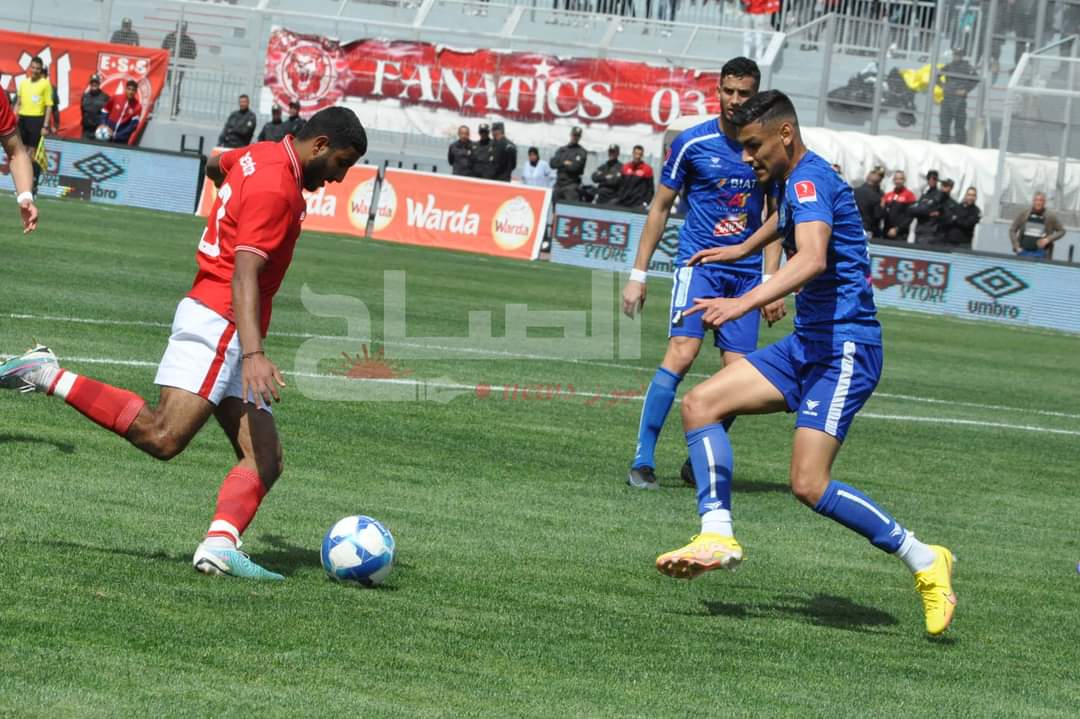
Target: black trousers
30,134
954,119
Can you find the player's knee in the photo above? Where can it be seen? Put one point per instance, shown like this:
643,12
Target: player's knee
165,444
808,483
695,410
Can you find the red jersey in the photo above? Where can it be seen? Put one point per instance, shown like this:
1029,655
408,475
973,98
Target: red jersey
120,110
904,197
258,209
7,115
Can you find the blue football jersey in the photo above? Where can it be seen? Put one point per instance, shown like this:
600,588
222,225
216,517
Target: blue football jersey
724,200
838,304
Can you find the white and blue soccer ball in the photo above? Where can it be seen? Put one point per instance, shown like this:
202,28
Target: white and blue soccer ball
358,549
103,133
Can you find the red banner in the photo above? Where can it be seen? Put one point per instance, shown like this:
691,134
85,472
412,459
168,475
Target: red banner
71,63
527,87
460,213
342,207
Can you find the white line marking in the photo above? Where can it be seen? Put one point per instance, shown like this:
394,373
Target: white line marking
500,389
493,355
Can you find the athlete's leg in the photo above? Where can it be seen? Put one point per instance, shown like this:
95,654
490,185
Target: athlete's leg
162,431
254,437
660,396
739,388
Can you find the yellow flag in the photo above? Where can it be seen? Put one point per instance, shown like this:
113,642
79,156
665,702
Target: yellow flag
40,157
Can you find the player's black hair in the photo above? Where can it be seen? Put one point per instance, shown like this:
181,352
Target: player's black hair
639,147
340,124
741,67
243,97
532,150
38,60
766,107
131,83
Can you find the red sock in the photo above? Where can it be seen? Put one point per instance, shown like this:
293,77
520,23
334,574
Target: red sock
111,407
238,500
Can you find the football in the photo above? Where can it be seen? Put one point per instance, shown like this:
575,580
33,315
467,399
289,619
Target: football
103,133
358,549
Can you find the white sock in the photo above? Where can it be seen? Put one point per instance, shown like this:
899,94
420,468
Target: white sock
717,521
219,542
43,377
48,375
916,555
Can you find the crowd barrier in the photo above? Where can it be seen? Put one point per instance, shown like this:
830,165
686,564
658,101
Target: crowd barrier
423,208
117,175
961,284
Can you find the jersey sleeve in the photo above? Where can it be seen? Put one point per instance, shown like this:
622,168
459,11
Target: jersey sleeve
674,174
227,160
810,198
263,219
7,116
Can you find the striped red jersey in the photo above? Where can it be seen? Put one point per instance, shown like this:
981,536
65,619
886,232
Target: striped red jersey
259,209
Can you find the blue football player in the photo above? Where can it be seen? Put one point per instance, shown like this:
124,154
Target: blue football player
824,372
724,207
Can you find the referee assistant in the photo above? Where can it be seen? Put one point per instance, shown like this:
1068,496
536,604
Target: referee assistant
34,102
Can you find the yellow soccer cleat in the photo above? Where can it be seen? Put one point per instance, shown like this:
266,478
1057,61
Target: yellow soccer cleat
706,551
935,586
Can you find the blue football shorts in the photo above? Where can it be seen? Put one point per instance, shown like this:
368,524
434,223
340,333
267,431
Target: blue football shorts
739,335
824,383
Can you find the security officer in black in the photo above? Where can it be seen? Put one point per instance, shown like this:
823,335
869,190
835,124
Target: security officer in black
569,166
482,161
505,152
608,177
460,152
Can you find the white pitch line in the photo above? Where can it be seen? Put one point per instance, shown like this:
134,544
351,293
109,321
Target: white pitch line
495,390
519,355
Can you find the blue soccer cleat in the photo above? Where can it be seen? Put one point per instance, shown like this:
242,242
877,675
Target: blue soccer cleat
23,373
220,562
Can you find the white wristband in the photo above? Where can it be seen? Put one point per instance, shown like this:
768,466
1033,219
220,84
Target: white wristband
24,197
637,275
765,278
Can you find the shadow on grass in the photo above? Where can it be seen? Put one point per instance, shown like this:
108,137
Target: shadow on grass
738,486
820,610
287,558
64,447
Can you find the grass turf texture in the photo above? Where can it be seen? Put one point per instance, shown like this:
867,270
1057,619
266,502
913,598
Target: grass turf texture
525,583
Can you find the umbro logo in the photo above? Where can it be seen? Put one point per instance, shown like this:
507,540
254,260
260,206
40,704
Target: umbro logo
714,160
812,403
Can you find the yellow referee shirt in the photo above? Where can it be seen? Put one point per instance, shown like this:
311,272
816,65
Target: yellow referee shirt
35,97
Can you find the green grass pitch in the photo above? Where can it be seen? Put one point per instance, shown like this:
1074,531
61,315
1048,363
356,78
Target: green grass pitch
525,584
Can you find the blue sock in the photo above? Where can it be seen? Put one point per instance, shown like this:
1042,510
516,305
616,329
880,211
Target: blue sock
710,455
859,513
654,410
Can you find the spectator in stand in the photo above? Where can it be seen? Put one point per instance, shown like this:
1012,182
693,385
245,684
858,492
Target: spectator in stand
482,160
184,49
537,172
33,106
275,130
1035,230
868,197
569,165
294,124
927,210
608,177
93,102
959,220
126,35
896,208
505,152
460,153
121,113
960,79
759,14
637,188
239,127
